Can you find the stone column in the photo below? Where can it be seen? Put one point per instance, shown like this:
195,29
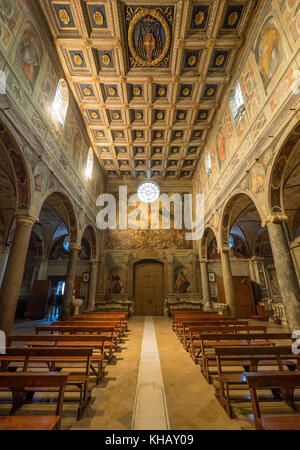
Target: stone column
285,269
3,260
12,280
70,279
228,281
205,285
93,284
43,269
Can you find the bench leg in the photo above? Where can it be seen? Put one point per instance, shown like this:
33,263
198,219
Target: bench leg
18,396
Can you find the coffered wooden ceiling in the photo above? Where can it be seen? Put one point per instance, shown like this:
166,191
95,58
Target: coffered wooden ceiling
148,77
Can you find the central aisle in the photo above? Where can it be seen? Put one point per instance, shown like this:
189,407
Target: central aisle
153,384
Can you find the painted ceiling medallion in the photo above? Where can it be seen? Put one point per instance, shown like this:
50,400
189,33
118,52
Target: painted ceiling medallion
178,134
181,116
158,134
87,91
139,134
161,92
106,59
220,60
136,91
94,115
159,115
78,60
232,18
203,115
112,91
199,17
192,60
116,115
149,35
138,116
98,18
186,92
210,92
64,16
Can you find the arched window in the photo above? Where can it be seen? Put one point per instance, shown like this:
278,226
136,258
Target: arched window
89,164
236,102
207,161
61,102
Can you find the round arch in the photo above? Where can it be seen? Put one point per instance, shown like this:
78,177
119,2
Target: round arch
208,235
90,233
286,150
16,168
237,202
60,201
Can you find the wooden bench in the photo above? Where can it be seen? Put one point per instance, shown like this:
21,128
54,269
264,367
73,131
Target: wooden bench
51,356
111,341
209,341
183,326
194,344
248,358
184,330
17,383
96,342
200,316
178,324
267,380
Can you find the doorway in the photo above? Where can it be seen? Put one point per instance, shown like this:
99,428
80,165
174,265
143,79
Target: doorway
244,295
148,288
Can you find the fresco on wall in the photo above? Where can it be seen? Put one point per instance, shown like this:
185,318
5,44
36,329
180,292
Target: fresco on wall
221,146
77,146
268,51
41,177
147,238
10,13
239,247
114,284
257,178
181,281
290,10
212,251
29,55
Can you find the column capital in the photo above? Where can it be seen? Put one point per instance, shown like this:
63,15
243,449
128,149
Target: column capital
74,246
274,218
224,249
93,261
23,218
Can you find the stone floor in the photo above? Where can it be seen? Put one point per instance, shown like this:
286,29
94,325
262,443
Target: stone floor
190,401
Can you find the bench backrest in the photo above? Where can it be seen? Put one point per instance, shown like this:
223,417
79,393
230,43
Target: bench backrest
74,329
269,380
56,338
227,329
22,380
86,323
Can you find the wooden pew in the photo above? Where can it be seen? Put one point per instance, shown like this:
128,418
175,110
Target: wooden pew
209,341
268,380
184,331
194,344
107,331
50,356
95,342
18,383
178,324
248,358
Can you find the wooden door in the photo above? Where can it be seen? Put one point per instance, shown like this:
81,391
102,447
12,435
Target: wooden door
77,286
149,289
37,304
243,293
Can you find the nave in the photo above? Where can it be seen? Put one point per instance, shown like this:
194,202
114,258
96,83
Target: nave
190,402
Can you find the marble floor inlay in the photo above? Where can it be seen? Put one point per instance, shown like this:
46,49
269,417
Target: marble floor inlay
150,409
